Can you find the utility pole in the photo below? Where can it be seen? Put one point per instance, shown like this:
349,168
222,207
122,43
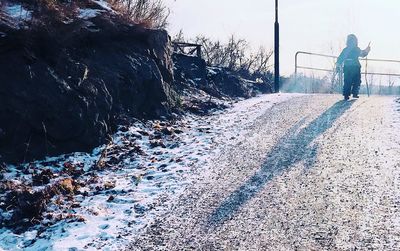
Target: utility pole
276,50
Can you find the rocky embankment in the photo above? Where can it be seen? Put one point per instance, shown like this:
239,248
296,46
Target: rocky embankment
64,85
63,88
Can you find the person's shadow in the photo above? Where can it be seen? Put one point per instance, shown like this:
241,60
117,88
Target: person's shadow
293,147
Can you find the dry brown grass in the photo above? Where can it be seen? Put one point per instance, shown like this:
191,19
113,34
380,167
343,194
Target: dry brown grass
56,10
146,13
49,11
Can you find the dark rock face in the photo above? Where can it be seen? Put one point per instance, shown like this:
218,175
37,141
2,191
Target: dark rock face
231,84
203,89
188,67
61,88
235,84
216,81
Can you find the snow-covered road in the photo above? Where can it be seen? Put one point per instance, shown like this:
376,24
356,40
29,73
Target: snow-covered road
119,188
311,173
275,172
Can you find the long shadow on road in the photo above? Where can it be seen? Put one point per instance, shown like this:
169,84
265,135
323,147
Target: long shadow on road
294,147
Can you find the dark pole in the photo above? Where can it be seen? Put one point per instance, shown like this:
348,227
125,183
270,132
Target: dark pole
276,48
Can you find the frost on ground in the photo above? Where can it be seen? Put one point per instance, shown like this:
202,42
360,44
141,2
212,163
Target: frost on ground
88,13
16,14
315,173
101,200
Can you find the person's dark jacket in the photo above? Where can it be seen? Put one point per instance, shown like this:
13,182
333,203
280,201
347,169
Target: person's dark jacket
349,56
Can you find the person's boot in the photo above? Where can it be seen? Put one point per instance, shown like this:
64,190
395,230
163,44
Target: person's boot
355,96
346,98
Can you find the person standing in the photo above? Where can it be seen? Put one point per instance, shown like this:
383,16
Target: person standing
349,61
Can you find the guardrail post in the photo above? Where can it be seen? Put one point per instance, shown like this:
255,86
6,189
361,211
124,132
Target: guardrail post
295,68
199,51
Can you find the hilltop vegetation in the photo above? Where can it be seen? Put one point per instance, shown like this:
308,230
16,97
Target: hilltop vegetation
146,13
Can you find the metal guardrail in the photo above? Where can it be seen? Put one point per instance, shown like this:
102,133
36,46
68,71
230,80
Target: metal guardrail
193,49
333,70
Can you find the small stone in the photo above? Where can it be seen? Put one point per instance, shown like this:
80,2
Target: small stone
109,185
157,126
75,205
167,131
42,178
123,129
178,131
67,186
144,133
157,143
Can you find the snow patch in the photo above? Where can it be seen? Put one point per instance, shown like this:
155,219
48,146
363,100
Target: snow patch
89,13
103,4
144,185
212,70
17,14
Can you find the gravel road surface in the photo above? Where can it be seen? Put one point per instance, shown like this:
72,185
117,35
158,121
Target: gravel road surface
312,173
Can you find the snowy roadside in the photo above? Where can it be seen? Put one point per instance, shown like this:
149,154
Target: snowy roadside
314,173
396,115
101,200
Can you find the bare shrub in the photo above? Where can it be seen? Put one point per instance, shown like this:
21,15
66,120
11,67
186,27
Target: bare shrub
235,55
179,37
262,62
147,13
213,51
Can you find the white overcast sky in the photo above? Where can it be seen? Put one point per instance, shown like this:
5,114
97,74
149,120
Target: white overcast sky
311,25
